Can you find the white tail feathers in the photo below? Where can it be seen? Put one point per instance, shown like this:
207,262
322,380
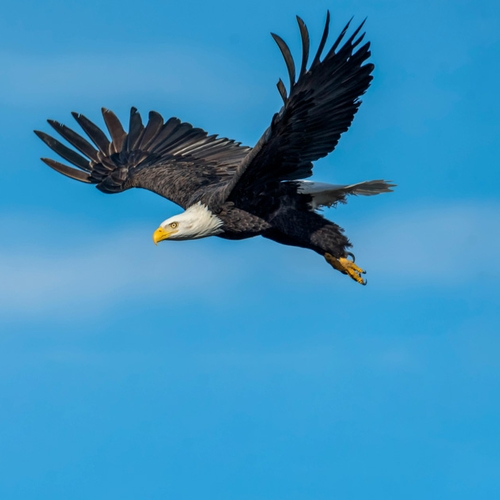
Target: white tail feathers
326,195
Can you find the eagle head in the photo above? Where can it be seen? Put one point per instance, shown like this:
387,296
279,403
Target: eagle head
195,222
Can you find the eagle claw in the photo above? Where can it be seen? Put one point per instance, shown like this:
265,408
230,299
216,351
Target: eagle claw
346,266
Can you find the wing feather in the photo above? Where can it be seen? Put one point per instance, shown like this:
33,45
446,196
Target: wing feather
62,150
319,108
304,35
136,129
324,38
282,90
75,139
287,55
173,159
169,128
153,126
73,173
115,130
96,135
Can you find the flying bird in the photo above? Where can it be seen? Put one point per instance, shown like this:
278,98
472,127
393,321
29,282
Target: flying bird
234,191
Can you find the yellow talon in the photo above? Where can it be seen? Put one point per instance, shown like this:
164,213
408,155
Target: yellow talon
346,266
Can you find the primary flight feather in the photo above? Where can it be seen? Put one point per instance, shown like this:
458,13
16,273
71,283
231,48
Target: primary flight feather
234,191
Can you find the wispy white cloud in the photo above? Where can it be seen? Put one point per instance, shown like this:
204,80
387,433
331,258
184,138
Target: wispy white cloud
42,280
435,245
32,80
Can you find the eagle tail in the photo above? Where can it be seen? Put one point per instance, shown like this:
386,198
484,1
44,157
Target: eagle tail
326,195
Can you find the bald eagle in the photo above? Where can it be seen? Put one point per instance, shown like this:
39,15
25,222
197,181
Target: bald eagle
234,191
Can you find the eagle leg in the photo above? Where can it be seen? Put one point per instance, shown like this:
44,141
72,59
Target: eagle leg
346,266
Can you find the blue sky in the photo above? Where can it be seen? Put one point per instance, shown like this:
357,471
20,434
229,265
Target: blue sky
250,370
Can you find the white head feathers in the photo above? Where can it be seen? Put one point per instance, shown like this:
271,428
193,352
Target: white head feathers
196,222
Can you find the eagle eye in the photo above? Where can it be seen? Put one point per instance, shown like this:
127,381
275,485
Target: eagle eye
173,225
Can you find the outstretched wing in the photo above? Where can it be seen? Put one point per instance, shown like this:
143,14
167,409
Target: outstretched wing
319,108
172,159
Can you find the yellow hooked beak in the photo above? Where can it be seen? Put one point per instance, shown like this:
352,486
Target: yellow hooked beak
160,234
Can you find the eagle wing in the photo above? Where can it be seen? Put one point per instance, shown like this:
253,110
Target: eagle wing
172,158
320,106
